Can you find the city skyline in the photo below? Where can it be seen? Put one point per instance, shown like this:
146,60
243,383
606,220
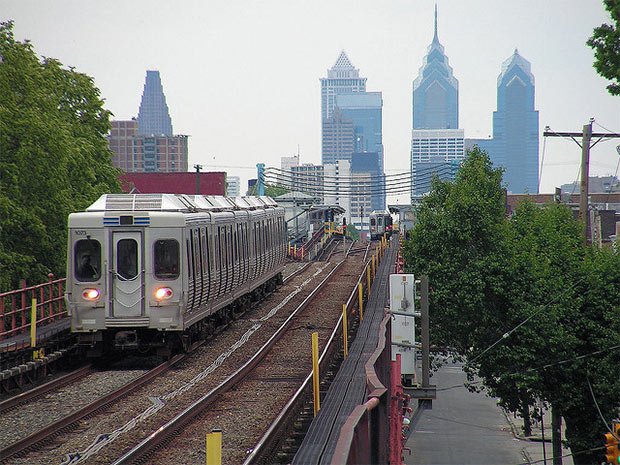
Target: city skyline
206,61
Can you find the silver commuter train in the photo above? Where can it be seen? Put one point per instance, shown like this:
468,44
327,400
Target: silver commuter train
159,271
380,224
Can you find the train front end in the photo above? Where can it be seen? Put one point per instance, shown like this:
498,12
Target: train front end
124,282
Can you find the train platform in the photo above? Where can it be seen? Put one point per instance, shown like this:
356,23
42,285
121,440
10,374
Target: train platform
348,390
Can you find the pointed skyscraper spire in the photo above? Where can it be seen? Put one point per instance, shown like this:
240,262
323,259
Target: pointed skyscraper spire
153,116
436,37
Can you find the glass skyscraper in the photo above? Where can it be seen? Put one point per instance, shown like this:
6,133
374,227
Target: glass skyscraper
365,111
435,90
436,141
515,127
153,116
147,144
343,77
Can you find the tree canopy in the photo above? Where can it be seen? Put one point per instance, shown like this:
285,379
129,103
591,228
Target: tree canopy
528,307
606,44
54,158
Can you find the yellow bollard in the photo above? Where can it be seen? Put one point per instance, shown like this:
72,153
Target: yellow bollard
214,447
315,372
360,294
295,251
33,328
368,278
374,273
345,331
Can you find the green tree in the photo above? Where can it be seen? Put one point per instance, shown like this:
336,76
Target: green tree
522,300
458,225
606,44
54,158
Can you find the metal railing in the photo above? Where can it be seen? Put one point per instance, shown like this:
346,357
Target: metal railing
365,436
16,307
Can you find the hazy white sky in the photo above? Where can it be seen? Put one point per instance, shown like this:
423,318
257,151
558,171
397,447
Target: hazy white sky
242,77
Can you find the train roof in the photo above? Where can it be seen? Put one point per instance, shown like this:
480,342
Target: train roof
380,212
178,203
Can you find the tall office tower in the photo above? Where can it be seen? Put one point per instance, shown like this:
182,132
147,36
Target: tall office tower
365,111
436,141
434,153
147,144
435,90
515,126
338,138
153,117
341,78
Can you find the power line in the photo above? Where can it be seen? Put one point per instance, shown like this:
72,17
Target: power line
507,334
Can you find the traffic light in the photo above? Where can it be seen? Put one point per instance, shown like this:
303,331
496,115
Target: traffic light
611,444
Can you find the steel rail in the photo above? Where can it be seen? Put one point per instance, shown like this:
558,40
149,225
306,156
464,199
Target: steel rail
43,389
270,434
56,427
166,432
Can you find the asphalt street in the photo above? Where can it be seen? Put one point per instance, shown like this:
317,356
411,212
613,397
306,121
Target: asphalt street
462,428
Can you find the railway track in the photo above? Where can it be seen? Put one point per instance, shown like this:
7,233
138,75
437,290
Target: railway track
27,451
248,401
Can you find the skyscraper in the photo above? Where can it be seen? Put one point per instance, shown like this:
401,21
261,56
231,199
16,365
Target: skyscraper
343,77
436,141
435,90
515,126
153,117
365,111
338,138
148,145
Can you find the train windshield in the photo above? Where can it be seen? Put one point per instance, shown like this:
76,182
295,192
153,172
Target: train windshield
166,259
127,258
87,260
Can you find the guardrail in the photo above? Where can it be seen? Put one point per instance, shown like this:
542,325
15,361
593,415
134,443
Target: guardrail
16,306
372,433
311,248
365,436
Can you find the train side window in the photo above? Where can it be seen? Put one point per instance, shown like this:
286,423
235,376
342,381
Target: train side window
190,267
87,260
198,250
166,259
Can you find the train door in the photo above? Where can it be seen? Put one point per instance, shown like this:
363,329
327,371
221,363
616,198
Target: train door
127,276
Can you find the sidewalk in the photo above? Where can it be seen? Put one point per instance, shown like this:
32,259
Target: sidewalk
534,449
470,428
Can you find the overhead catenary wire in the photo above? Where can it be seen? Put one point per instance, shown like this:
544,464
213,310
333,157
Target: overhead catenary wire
355,185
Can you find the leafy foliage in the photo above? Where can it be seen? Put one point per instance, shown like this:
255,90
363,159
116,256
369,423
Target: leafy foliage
522,300
606,44
54,158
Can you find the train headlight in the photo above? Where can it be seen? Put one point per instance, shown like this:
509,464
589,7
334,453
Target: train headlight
163,293
91,294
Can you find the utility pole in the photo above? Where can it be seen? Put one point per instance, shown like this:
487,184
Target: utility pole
198,168
586,145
